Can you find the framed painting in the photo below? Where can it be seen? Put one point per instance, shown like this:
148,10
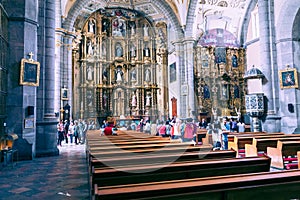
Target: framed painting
288,78
30,72
64,94
29,123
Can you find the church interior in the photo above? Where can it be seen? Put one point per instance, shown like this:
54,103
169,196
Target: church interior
124,61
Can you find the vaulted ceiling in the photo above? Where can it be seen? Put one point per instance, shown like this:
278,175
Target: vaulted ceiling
201,15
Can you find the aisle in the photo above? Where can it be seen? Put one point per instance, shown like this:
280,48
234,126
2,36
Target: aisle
58,177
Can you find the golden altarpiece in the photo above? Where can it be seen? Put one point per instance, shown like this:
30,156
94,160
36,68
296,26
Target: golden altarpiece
118,60
219,70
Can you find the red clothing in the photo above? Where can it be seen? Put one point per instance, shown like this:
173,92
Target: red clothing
107,131
190,130
162,130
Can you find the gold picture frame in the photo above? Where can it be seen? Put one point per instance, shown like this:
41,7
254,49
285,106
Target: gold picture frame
30,72
64,94
288,78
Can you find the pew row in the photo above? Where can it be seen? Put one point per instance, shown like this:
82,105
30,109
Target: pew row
259,145
258,186
284,155
151,158
178,170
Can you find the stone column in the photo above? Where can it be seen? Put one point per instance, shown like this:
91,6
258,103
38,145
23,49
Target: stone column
22,26
189,65
180,89
46,123
66,68
268,63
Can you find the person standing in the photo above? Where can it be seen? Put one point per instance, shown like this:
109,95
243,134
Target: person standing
60,132
76,131
84,130
66,130
71,132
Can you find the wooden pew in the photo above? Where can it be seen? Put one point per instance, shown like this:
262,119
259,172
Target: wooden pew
258,186
151,158
241,140
259,145
120,152
179,170
232,134
285,152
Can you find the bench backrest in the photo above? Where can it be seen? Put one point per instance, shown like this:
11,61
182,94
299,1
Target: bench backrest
179,170
288,148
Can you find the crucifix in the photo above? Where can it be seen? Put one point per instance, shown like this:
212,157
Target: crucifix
30,56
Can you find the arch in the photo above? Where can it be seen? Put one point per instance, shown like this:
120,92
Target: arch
287,16
163,7
190,18
245,23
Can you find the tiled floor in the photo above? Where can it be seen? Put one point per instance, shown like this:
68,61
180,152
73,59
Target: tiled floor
59,177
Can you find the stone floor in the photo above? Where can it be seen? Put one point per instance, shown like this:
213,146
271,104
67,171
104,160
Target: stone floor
59,177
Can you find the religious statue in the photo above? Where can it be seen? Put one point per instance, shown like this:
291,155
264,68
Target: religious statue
133,51
206,93
105,74
89,71
146,31
91,26
90,48
132,26
119,74
234,61
148,99
119,28
147,75
105,25
119,50
146,51
133,100
133,75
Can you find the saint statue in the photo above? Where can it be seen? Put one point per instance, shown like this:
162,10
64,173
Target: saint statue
119,50
148,97
146,31
147,75
119,75
91,26
89,73
90,48
133,100
133,75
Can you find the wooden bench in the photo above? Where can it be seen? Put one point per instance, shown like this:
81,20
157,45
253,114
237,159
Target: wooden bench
151,158
240,141
259,186
120,152
179,170
284,156
259,145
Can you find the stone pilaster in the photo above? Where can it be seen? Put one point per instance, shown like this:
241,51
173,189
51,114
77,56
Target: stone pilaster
268,64
22,41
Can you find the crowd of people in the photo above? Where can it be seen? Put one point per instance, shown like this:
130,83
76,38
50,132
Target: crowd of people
186,129
73,131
